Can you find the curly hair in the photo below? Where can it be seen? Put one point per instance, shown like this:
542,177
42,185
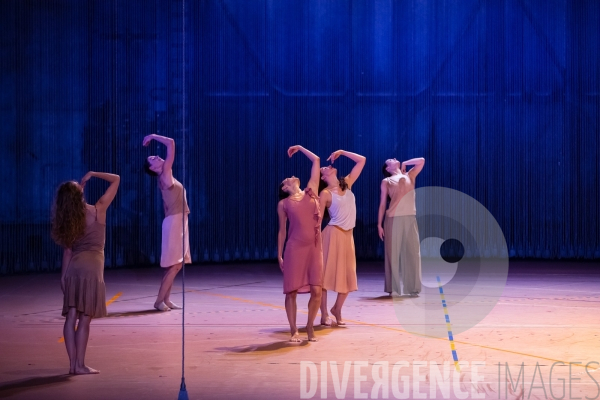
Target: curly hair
68,214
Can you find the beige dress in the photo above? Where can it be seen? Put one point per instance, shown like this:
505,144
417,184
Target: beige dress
84,286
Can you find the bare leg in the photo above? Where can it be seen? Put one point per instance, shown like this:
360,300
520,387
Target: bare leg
313,309
325,320
166,285
324,314
168,295
291,309
69,334
336,310
81,340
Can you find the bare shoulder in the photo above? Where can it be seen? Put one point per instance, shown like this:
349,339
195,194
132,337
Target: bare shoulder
98,209
166,179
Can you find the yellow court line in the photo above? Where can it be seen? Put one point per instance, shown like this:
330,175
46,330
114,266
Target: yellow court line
112,299
109,302
386,327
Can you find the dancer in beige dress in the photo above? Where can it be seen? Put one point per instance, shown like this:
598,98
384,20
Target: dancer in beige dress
80,229
400,232
302,261
339,256
175,237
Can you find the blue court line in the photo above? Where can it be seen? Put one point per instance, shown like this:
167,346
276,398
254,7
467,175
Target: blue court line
450,335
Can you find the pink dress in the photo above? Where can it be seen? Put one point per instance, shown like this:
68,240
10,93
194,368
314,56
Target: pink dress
303,254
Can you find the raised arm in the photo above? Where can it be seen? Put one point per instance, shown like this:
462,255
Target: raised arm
418,166
324,201
382,205
169,143
357,158
315,173
108,196
281,234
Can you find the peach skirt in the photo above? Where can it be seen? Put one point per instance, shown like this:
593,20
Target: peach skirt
339,260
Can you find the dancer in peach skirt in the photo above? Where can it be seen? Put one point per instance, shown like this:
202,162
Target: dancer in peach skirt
339,257
302,261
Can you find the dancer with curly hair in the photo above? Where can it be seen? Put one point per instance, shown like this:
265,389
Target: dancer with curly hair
80,228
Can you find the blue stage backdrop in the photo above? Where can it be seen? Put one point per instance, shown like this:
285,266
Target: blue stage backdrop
500,97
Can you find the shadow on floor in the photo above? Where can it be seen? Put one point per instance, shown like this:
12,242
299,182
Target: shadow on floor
133,313
12,388
282,346
388,298
378,298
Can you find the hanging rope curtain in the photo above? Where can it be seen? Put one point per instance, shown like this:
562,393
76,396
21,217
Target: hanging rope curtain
501,98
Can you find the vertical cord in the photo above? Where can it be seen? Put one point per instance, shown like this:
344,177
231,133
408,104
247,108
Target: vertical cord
184,214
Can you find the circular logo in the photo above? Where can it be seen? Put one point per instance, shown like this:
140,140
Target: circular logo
449,264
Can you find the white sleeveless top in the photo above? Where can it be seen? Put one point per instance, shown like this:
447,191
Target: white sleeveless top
343,210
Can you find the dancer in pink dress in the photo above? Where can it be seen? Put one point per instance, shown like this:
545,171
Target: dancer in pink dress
80,229
175,236
339,257
302,261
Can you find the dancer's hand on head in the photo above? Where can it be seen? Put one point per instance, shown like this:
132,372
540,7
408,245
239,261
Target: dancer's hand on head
334,156
148,139
280,260
86,178
293,150
380,232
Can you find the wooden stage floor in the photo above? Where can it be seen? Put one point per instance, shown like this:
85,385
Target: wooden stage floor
236,340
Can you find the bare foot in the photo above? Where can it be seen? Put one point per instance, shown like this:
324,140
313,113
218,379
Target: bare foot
172,305
161,306
328,322
295,338
85,370
338,316
310,330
